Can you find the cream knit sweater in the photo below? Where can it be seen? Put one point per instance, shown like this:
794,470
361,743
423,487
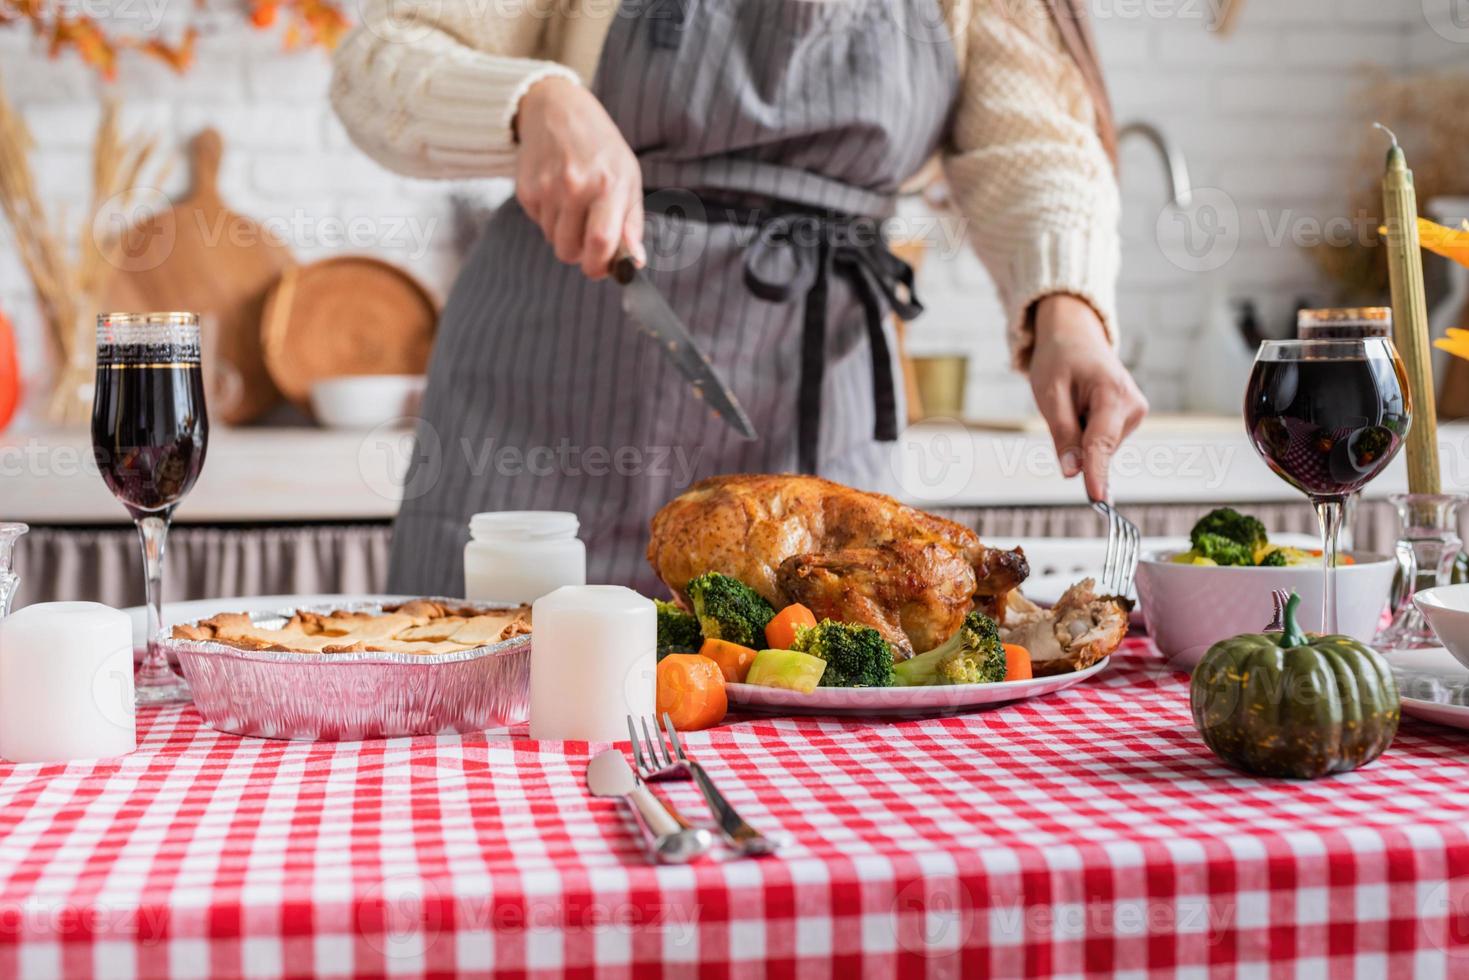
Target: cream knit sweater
429,89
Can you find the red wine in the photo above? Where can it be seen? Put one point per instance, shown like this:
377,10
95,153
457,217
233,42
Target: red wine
1328,426
149,426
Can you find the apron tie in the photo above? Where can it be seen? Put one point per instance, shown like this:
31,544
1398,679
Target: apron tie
795,254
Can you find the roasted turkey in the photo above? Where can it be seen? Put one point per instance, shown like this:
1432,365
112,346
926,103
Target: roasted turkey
845,554
1080,629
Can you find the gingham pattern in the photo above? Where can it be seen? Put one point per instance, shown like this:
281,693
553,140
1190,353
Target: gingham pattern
1088,830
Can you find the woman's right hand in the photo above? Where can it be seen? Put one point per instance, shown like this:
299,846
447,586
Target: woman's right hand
577,178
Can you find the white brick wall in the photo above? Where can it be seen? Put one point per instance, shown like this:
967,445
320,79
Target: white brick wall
1266,116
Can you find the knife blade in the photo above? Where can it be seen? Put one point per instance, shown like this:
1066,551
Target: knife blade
646,307
608,774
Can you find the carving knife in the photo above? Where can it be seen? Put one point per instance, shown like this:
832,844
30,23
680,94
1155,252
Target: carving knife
646,307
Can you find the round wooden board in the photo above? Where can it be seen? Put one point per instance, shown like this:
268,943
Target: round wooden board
345,316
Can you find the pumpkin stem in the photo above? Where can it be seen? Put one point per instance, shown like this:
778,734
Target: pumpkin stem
1292,635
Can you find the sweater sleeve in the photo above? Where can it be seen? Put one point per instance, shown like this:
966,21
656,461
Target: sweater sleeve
1029,172
431,89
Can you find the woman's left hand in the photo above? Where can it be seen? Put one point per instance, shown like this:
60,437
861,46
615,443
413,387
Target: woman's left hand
1084,392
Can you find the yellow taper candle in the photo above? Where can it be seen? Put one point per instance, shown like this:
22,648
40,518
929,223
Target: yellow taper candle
1410,315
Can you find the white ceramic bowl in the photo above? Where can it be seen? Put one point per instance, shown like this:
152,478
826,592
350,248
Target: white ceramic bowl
1447,610
1189,608
366,401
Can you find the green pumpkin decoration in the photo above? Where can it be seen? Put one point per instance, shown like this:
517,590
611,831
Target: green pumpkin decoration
1285,704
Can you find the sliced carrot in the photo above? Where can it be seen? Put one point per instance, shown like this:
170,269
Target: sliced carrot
780,632
733,659
691,691
1341,559
1017,662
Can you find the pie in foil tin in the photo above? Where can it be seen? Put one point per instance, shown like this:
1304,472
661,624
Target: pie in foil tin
287,694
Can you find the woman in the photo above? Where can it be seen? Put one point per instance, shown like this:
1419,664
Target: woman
743,150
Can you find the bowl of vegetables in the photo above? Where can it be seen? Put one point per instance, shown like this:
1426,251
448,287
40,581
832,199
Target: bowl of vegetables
1222,586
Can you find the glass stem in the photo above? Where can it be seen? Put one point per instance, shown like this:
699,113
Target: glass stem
1329,513
153,532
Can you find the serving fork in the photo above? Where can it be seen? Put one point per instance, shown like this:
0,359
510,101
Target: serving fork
657,760
1124,545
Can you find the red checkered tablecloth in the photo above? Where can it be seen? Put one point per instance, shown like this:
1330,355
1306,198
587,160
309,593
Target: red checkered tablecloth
1087,831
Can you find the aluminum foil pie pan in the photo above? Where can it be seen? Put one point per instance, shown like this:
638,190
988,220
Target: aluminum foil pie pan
351,696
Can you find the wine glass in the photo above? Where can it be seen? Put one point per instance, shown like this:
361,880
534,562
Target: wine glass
1327,416
149,432
1345,324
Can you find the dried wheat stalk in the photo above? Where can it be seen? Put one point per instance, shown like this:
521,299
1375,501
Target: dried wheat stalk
67,290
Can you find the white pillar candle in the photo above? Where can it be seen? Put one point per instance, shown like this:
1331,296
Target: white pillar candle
593,662
66,683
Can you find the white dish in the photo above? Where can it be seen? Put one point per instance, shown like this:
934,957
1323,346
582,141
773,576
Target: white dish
1447,610
1056,564
366,401
1189,608
908,701
1433,684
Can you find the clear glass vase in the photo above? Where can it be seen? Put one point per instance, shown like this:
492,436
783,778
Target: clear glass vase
1427,548
9,581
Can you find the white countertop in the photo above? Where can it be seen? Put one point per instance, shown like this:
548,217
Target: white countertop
283,475
1170,459
250,475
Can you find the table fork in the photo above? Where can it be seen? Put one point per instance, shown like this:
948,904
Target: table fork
668,761
1124,544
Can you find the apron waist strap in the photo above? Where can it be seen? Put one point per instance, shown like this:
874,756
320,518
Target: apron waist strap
794,253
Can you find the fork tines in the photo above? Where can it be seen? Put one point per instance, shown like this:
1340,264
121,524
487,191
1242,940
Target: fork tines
1124,544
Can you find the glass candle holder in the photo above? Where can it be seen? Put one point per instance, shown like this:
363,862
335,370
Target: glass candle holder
9,581
1427,548
1344,324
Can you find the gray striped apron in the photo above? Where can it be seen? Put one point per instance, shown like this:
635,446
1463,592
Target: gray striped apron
773,135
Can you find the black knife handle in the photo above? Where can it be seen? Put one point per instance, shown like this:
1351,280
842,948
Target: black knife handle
623,267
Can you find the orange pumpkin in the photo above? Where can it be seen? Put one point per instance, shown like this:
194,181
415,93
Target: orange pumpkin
9,374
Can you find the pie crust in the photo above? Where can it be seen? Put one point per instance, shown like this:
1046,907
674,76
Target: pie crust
421,626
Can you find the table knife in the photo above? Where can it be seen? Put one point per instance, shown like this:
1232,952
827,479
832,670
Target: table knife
646,307
608,774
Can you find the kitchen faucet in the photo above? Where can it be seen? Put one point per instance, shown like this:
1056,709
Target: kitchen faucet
1180,187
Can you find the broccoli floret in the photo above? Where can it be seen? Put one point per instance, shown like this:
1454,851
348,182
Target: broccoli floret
1274,559
1222,551
974,655
728,609
678,630
1228,523
856,656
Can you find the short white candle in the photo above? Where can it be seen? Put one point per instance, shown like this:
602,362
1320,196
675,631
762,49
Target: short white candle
66,683
593,662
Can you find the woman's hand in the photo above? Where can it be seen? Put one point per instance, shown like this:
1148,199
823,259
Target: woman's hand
1085,394
576,176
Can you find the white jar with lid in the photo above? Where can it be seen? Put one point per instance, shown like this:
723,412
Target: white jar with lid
518,556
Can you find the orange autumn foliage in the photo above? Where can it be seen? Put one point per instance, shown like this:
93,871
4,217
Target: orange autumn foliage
313,22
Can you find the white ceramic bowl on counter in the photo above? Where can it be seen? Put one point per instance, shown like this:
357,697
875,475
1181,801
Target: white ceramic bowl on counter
366,401
1189,608
1447,610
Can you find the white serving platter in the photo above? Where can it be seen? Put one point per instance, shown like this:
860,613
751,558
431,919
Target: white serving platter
1434,686
907,701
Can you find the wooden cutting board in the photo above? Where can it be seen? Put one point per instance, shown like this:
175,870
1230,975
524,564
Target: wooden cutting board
200,256
347,315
